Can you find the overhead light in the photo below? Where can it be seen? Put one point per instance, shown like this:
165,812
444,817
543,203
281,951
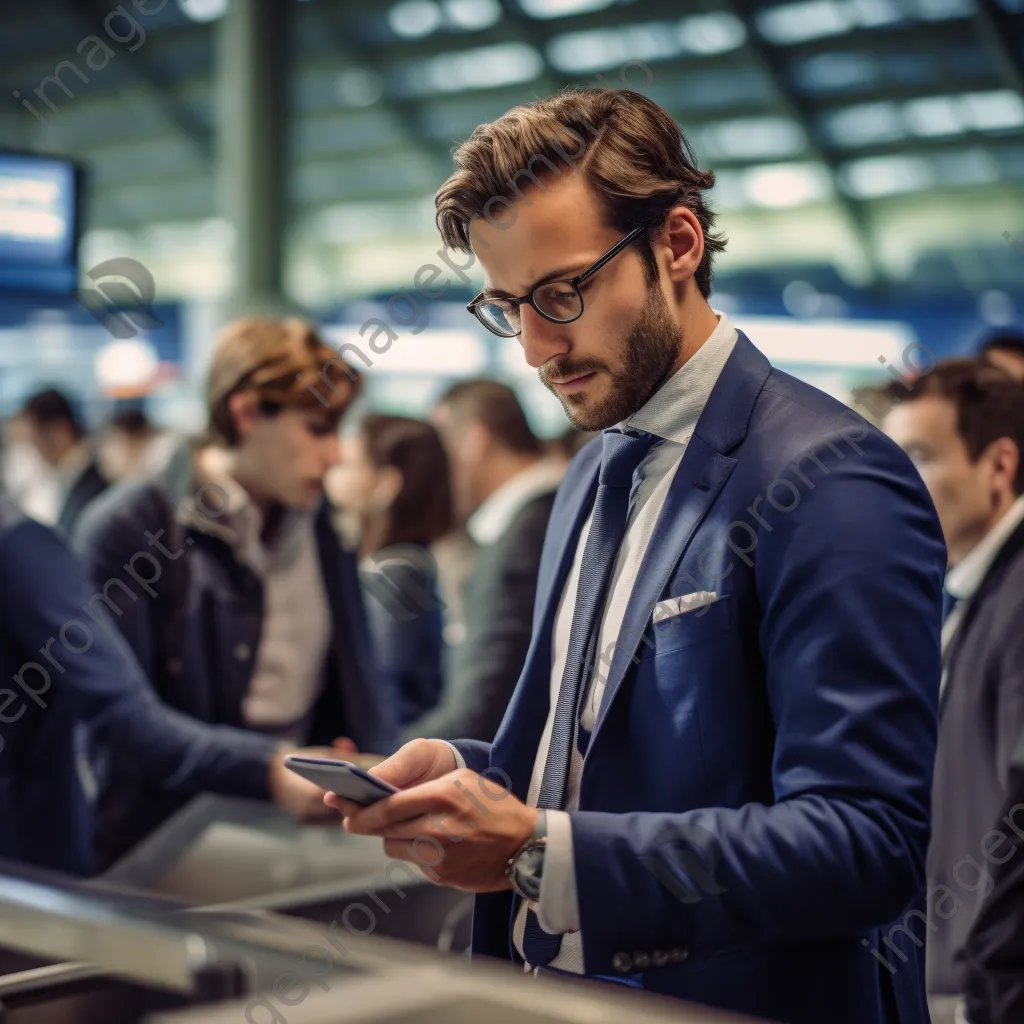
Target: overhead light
886,175
413,19
933,116
993,110
203,10
707,34
797,23
608,47
472,15
777,186
865,124
562,8
483,67
752,138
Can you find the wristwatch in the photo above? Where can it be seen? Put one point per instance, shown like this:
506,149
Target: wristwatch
526,866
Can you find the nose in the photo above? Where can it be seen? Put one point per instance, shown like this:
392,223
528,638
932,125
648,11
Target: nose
540,338
332,449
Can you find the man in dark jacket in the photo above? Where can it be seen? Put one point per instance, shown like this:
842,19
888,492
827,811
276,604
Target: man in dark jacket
72,685
257,620
57,435
963,425
506,487
993,955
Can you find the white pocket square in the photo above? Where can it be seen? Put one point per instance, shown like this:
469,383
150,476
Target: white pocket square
673,606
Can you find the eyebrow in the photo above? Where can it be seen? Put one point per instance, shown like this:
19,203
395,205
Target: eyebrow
562,274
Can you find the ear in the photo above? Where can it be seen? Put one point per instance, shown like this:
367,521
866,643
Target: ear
679,244
243,410
388,486
1005,455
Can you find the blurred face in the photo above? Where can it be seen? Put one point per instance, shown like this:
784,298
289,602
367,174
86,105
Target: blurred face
1011,362
604,366
966,494
354,483
52,440
465,454
283,457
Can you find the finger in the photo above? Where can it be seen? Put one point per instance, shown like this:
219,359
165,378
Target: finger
339,803
432,798
405,766
343,745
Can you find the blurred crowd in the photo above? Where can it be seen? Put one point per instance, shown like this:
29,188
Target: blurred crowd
177,613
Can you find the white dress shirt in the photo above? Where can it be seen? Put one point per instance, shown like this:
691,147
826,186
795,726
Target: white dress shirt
963,580
671,413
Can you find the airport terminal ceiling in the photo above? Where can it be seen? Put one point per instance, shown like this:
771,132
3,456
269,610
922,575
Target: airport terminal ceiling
881,141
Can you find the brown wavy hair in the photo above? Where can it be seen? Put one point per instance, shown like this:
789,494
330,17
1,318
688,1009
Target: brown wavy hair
631,152
285,362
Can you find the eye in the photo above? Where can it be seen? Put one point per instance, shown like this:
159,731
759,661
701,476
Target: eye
319,428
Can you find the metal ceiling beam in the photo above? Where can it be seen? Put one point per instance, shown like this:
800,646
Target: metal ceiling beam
1001,32
405,111
89,17
770,62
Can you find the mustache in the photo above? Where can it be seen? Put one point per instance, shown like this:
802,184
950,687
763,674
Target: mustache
568,368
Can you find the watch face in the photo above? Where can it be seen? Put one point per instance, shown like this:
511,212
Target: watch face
528,871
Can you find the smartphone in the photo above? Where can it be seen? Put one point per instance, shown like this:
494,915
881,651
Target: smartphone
341,777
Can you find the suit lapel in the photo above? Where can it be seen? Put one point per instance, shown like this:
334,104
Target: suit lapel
516,743
699,479
697,483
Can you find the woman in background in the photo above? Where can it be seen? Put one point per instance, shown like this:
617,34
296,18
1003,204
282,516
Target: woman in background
393,480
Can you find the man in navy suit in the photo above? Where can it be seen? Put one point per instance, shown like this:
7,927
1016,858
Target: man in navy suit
713,778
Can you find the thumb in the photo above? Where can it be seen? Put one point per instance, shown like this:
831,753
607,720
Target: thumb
415,762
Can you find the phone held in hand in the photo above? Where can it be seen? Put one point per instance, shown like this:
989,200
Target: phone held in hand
341,777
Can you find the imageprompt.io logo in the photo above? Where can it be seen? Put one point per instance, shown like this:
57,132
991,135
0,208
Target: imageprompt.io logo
122,301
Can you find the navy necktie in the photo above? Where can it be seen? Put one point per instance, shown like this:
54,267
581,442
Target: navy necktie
620,457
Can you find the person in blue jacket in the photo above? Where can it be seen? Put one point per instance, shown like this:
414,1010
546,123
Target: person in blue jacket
713,779
225,571
71,686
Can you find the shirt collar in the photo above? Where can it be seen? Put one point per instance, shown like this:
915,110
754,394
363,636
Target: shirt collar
497,511
673,410
967,575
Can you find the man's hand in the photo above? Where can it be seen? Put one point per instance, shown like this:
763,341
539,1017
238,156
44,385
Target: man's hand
292,792
460,828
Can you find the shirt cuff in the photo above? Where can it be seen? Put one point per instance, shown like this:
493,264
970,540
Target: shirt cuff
460,761
558,909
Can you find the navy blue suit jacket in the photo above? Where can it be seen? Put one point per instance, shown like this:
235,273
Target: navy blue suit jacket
756,790
70,684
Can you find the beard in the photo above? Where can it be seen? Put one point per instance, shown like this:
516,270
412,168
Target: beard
650,349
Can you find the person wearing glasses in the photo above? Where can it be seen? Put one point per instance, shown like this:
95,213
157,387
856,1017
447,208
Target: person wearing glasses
712,781
225,573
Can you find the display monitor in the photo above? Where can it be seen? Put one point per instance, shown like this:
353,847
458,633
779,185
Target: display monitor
39,224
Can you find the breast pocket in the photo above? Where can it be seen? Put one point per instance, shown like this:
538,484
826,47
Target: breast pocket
696,626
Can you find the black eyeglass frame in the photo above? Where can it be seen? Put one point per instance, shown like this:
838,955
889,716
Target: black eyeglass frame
574,282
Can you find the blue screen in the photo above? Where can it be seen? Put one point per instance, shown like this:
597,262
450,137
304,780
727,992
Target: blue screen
38,228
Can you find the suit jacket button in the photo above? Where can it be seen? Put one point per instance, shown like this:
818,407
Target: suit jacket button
641,961
242,652
659,958
174,666
622,962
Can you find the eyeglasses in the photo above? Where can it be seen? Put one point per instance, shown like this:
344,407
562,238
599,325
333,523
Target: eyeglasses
560,302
